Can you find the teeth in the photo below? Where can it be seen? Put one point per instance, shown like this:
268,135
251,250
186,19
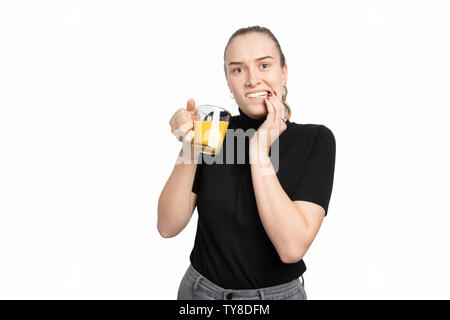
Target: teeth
257,94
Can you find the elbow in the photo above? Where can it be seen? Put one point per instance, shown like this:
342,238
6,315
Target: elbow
162,226
165,232
290,259
292,256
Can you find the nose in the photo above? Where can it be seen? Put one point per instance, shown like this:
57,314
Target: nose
252,79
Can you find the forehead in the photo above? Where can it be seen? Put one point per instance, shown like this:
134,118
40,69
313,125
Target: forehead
250,46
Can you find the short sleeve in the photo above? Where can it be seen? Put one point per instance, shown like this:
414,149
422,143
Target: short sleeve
315,183
197,178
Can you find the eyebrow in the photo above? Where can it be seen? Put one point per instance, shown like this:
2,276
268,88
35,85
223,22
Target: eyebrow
262,58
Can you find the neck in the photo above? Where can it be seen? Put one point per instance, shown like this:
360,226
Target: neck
245,122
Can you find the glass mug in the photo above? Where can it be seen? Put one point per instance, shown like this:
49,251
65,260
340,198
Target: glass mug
210,127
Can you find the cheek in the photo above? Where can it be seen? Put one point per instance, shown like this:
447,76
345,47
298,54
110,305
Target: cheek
275,79
234,84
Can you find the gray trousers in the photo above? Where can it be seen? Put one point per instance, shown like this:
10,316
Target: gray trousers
194,286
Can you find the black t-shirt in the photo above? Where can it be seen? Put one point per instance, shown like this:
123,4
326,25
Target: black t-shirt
231,246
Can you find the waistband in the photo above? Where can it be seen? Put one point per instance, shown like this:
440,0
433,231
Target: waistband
219,293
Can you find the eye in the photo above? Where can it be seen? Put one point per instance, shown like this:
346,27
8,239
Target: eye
236,69
265,64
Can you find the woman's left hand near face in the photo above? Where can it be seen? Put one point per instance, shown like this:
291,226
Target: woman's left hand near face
272,127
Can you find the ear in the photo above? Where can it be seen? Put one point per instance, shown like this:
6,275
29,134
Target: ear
284,73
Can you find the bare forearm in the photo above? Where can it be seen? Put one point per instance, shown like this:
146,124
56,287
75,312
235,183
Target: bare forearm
174,203
284,224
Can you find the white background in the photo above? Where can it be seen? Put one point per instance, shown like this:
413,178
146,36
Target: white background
86,92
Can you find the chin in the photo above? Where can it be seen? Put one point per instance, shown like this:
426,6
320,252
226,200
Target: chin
258,115
257,111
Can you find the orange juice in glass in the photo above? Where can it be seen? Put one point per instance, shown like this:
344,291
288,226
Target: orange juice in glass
210,127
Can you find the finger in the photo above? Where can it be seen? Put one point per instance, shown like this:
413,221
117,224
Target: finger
282,111
185,127
283,116
179,119
190,105
278,106
181,130
176,114
270,110
274,111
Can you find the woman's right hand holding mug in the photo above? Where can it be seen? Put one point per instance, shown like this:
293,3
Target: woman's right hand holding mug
182,125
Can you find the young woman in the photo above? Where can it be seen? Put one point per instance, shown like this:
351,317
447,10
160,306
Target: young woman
256,222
